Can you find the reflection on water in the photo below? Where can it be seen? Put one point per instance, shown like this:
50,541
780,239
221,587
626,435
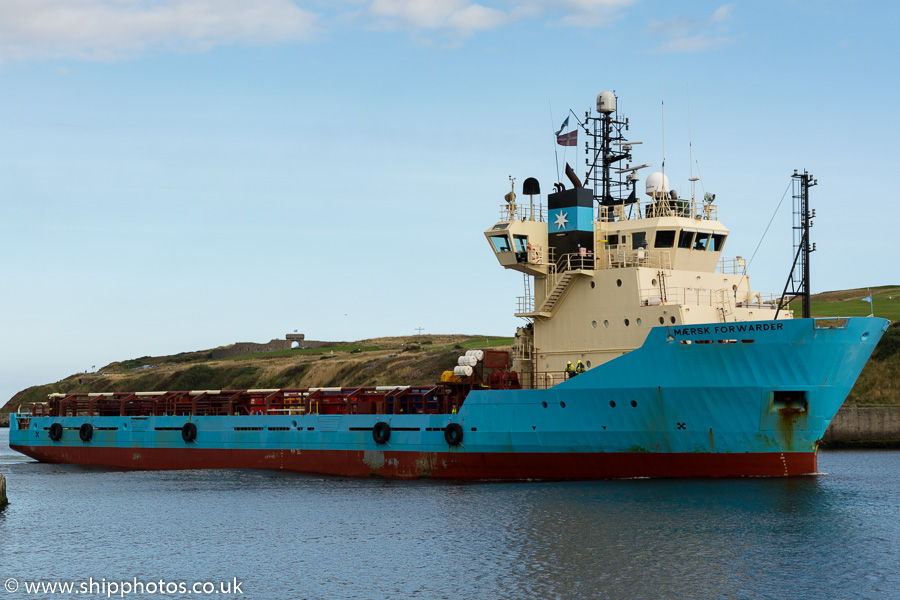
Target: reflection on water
293,536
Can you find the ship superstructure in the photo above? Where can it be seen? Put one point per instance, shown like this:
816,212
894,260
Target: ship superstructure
683,369
607,266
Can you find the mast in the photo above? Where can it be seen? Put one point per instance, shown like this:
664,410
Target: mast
608,147
797,285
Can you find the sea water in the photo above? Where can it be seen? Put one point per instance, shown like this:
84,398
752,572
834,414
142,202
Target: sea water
263,534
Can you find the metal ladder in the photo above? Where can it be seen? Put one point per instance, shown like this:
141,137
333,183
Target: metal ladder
529,299
557,292
724,305
662,286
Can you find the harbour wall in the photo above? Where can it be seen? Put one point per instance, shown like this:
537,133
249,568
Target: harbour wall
864,427
3,501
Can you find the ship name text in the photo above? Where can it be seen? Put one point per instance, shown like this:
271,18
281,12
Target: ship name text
737,328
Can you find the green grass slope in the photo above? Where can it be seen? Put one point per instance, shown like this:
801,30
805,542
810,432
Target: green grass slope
879,382
849,303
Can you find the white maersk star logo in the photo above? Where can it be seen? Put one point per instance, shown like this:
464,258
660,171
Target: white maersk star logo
561,220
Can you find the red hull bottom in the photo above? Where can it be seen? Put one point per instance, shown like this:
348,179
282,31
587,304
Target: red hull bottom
439,465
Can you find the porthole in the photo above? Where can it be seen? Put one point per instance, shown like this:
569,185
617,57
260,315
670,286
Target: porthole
612,403
634,403
672,319
734,288
653,282
639,322
606,323
627,322
619,282
562,404
662,321
592,285
588,364
544,404
594,324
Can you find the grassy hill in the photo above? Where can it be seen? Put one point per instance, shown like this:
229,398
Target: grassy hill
879,382
849,303
416,360
419,360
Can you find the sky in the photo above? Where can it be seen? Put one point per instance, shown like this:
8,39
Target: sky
178,175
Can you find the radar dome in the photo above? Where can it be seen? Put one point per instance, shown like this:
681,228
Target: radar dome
606,102
657,183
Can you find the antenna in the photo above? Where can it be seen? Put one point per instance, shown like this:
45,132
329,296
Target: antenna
511,198
662,105
692,179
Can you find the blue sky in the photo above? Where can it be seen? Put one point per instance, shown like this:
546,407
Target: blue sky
182,174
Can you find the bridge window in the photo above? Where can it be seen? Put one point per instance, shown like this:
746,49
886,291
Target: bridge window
612,241
665,239
521,242
501,243
718,242
638,240
685,240
702,241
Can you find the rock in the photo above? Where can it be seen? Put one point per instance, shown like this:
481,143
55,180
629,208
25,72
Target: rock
3,500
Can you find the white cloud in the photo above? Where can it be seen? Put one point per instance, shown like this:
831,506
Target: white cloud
458,16
682,34
463,17
588,13
117,29
124,29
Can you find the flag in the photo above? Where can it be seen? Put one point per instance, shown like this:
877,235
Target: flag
568,139
867,299
563,126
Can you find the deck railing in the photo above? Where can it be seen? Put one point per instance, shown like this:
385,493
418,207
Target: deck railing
706,297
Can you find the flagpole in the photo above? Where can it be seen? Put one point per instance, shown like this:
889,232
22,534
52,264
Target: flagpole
871,302
555,149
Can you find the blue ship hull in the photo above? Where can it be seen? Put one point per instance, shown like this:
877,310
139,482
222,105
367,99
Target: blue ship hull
727,399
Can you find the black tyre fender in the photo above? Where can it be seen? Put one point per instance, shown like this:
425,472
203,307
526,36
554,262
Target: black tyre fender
453,434
56,432
189,432
86,432
381,433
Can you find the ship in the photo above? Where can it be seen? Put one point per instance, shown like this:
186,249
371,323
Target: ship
643,352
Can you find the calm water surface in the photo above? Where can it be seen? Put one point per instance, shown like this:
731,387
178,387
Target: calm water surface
289,536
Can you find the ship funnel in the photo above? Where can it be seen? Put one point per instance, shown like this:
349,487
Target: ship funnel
570,173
